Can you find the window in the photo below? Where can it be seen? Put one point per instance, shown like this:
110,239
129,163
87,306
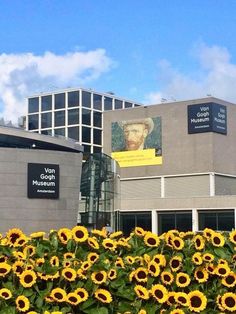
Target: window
216,220
128,105
87,148
97,149
86,134
60,131
129,221
59,118
33,121
181,221
73,99
33,104
97,119
73,116
97,137
46,132
97,102
60,101
46,120
73,132
86,99
118,104
46,103
107,103
86,116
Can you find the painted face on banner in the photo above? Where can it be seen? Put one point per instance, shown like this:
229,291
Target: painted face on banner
135,135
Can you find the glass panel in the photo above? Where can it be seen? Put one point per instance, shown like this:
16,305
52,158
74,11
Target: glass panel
60,131
128,104
73,133
46,120
86,134
86,99
127,223
97,137
136,105
118,104
60,101
144,221
226,221
46,132
97,119
73,99
166,222
107,103
33,121
86,116
73,116
97,102
86,148
207,220
46,103
59,118
184,221
97,149
33,104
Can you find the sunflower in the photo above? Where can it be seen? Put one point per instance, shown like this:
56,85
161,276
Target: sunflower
116,234
177,243
40,261
199,242
12,235
182,298
142,311
232,236
217,239
54,261
140,232
109,244
197,301
4,269
58,295
119,262
208,257
219,303
222,270
36,235
112,274
29,250
82,293
210,268
141,292
207,233
151,239
64,235
3,259
21,241
159,259
124,243
201,274
130,259
18,267
80,234
177,311
86,265
175,263
197,258
167,278
99,277
101,233
103,295
28,278
22,303
182,280
92,257
171,298
228,301
153,269
141,274
73,298
5,293
159,293
93,243
81,274
69,274
229,280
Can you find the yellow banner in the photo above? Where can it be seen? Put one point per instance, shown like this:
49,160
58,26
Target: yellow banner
136,158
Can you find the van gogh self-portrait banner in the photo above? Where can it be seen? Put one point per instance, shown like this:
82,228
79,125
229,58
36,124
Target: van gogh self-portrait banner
137,142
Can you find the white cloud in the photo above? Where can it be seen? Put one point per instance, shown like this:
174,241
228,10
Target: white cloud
216,76
22,75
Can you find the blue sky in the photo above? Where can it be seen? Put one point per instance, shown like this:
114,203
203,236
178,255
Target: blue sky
143,50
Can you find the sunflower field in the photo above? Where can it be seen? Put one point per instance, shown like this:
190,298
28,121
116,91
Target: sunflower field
79,271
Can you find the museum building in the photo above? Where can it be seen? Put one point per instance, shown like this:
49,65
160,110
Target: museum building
185,176
39,179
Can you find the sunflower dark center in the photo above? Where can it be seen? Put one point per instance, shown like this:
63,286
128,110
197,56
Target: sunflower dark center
177,243
112,273
14,237
152,268
81,294
196,301
207,257
28,279
182,300
92,258
21,304
140,292
73,299
102,296
3,270
182,279
198,242
175,263
5,294
58,295
68,274
109,244
200,275
2,259
230,280
167,278
64,237
79,234
222,271
99,277
157,260
151,241
171,299
230,302
216,240
159,294
141,274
